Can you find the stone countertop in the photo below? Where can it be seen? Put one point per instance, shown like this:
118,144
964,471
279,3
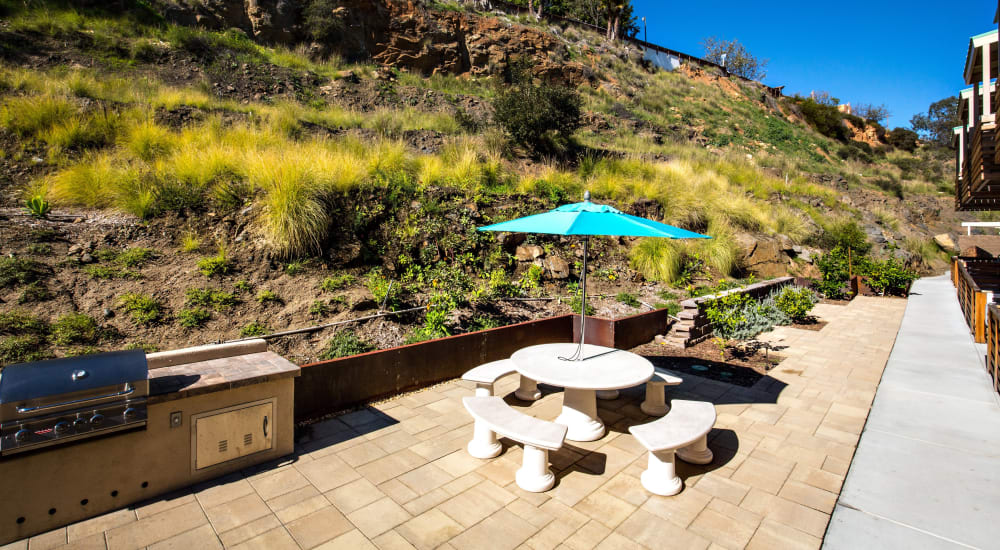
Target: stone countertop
190,379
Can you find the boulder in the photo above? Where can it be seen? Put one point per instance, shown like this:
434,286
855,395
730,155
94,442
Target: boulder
528,253
945,241
557,268
765,257
510,241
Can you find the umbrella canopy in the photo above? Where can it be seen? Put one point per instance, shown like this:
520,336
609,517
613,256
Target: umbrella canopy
590,219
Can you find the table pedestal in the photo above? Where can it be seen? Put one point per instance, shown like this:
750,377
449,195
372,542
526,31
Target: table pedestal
579,415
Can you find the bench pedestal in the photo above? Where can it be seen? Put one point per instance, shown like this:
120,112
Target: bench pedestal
655,403
484,442
534,475
697,452
579,415
528,391
660,478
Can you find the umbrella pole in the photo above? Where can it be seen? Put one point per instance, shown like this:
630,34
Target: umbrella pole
578,355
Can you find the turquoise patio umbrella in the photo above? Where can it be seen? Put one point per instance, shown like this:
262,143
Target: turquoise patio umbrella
586,219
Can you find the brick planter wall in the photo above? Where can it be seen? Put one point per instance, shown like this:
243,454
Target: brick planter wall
694,325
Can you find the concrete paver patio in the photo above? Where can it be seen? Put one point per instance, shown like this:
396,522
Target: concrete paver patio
396,475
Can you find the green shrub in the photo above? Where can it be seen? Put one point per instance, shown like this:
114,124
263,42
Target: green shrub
737,316
37,206
296,267
243,285
835,271
217,265
343,344
436,321
34,292
75,328
887,276
334,283
207,297
256,328
826,119
386,292
145,309
554,113
193,317
902,138
844,233
795,302
673,307
319,308
19,271
21,349
22,322
265,296
39,249
135,256
891,186
499,284
321,21
628,299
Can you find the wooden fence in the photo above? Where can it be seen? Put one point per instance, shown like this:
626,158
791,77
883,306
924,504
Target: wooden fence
975,281
993,345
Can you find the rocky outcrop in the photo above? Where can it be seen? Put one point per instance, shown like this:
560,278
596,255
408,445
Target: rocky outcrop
395,33
866,133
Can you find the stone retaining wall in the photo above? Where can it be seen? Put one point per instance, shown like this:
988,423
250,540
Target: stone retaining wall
694,326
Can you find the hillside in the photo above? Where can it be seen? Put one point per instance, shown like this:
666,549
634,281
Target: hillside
208,184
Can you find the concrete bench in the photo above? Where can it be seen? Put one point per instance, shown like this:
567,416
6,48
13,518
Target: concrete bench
493,416
684,430
487,374
655,403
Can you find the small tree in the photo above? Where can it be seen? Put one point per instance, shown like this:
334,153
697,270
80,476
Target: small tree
904,139
824,98
534,114
735,58
936,125
875,113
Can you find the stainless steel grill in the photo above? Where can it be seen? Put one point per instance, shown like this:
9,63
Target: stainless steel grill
51,402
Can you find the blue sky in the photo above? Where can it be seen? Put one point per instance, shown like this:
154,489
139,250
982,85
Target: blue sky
903,54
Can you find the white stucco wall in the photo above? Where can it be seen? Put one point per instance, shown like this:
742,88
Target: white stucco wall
662,60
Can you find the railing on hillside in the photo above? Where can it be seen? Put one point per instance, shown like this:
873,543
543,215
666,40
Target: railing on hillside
968,275
993,345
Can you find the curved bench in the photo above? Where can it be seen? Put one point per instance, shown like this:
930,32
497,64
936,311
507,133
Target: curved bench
487,374
656,388
684,430
538,437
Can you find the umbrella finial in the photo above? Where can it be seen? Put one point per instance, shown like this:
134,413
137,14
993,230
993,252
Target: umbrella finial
586,196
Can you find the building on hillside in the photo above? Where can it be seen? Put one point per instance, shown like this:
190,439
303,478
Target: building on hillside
977,163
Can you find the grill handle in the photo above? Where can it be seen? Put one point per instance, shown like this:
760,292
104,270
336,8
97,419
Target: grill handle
129,389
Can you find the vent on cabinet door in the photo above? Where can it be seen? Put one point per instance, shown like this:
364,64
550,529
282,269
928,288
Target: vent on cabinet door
213,431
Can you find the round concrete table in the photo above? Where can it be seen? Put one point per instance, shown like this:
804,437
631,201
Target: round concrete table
601,369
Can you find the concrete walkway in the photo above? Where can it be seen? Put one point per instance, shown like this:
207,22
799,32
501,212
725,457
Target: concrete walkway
927,469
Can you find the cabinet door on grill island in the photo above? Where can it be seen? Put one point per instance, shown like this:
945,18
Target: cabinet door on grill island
232,433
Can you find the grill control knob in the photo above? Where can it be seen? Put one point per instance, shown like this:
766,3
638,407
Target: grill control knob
22,435
80,422
61,427
97,419
129,413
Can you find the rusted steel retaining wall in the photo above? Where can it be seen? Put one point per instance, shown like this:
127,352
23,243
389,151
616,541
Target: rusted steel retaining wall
335,385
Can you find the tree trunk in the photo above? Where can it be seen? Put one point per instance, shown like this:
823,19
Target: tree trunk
617,19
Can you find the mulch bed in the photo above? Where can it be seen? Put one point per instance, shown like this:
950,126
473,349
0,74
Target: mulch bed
811,323
740,366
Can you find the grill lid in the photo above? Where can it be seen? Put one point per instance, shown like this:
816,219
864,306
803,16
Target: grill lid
27,381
